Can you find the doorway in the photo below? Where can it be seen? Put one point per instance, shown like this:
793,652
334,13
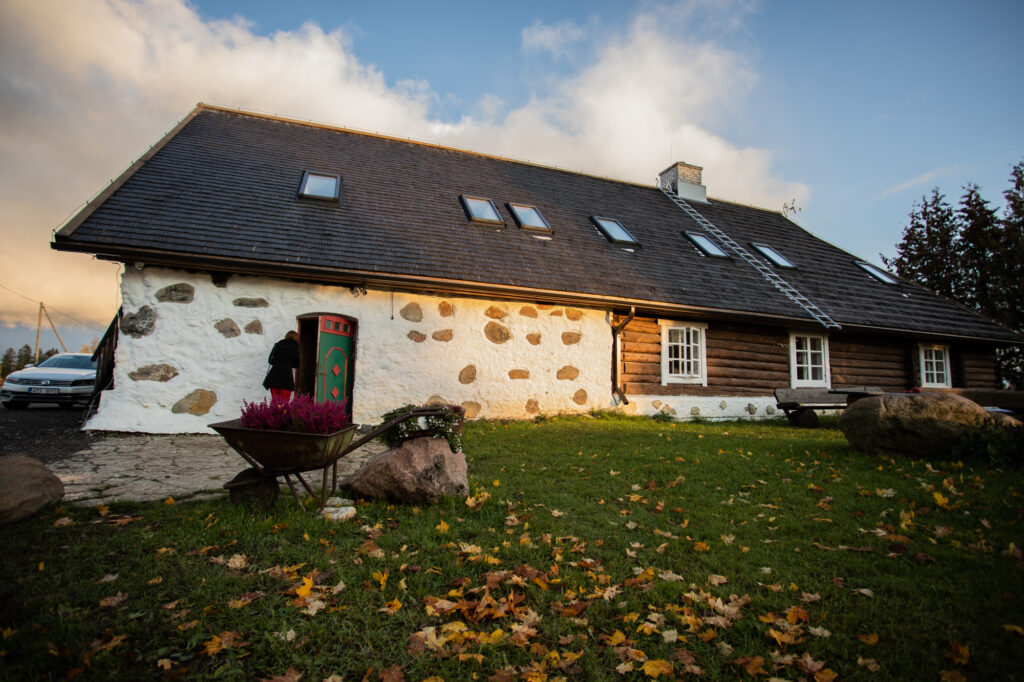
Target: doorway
327,362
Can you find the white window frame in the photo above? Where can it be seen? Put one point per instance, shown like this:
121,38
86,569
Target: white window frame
923,362
696,379
794,380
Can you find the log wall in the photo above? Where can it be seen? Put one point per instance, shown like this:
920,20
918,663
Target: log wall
753,360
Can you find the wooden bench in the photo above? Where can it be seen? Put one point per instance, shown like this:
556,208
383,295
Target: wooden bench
801,405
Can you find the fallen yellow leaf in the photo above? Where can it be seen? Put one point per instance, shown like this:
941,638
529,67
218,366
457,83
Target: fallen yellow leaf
304,590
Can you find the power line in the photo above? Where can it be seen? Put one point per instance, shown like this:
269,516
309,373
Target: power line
59,312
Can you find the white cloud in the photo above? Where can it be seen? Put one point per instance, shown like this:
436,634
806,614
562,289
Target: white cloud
919,180
553,38
86,87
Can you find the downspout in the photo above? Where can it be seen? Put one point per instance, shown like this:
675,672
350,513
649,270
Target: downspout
616,330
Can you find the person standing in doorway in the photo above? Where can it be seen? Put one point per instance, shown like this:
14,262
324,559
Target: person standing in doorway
284,360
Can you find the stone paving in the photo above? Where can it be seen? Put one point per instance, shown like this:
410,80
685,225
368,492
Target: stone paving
146,468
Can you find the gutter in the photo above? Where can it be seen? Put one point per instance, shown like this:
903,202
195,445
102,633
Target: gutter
617,359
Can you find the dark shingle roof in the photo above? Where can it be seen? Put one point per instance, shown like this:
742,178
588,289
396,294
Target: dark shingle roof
222,190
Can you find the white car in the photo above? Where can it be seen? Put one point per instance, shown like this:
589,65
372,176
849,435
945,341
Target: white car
63,379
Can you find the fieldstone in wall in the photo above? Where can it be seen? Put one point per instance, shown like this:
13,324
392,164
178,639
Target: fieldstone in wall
567,373
445,309
569,338
751,408
573,314
497,333
534,339
418,337
580,397
140,323
519,374
228,328
722,405
442,335
411,312
532,407
695,411
770,409
176,293
468,374
669,410
254,327
495,313
163,372
436,400
472,408
198,402
655,404
555,313
251,303
528,311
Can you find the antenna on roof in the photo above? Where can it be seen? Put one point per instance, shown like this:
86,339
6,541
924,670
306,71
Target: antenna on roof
790,208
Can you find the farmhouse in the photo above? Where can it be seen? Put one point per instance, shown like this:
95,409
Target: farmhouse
415,272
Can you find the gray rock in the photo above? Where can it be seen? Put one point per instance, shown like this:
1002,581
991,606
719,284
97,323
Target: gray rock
916,424
419,470
411,312
251,302
162,372
26,486
228,327
176,293
140,323
198,402
254,327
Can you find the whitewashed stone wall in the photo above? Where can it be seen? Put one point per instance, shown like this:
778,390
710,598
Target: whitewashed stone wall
686,408
190,351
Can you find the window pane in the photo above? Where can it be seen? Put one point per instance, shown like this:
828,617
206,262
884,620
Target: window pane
773,255
705,244
614,230
880,275
318,185
529,216
482,209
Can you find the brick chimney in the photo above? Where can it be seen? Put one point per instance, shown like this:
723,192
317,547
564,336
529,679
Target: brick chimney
684,180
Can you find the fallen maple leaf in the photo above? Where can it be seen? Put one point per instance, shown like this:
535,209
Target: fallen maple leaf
656,667
951,676
391,607
826,675
701,547
392,674
238,562
959,653
304,590
290,675
716,580
116,600
1014,628
871,639
63,521
869,663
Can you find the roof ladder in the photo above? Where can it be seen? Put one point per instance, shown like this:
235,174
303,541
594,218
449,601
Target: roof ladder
756,263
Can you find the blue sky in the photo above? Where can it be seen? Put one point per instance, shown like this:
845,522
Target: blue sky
855,110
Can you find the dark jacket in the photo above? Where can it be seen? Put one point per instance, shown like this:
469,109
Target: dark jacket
284,357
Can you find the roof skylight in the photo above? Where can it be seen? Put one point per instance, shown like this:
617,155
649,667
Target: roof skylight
481,210
529,217
878,273
320,186
614,231
773,255
704,243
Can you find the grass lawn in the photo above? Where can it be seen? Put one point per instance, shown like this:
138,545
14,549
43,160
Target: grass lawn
592,548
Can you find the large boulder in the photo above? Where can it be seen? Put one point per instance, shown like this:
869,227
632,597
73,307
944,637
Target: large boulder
419,470
26,486
916,424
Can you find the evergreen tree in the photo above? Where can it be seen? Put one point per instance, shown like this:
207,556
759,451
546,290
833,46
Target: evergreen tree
24,357
928,252
972,256
10,359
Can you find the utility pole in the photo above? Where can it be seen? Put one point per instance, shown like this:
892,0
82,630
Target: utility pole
39,328
53,327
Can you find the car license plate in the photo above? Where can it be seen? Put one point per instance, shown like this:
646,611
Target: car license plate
43,390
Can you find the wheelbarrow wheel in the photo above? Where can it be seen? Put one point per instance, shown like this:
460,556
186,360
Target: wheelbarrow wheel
252,486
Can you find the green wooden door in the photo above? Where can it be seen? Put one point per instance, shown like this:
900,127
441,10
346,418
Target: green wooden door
335,364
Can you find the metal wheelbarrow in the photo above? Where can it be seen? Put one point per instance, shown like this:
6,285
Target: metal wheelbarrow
291,453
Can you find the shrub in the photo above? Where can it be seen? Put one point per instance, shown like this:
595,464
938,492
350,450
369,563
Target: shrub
997,445
447,426
302,414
